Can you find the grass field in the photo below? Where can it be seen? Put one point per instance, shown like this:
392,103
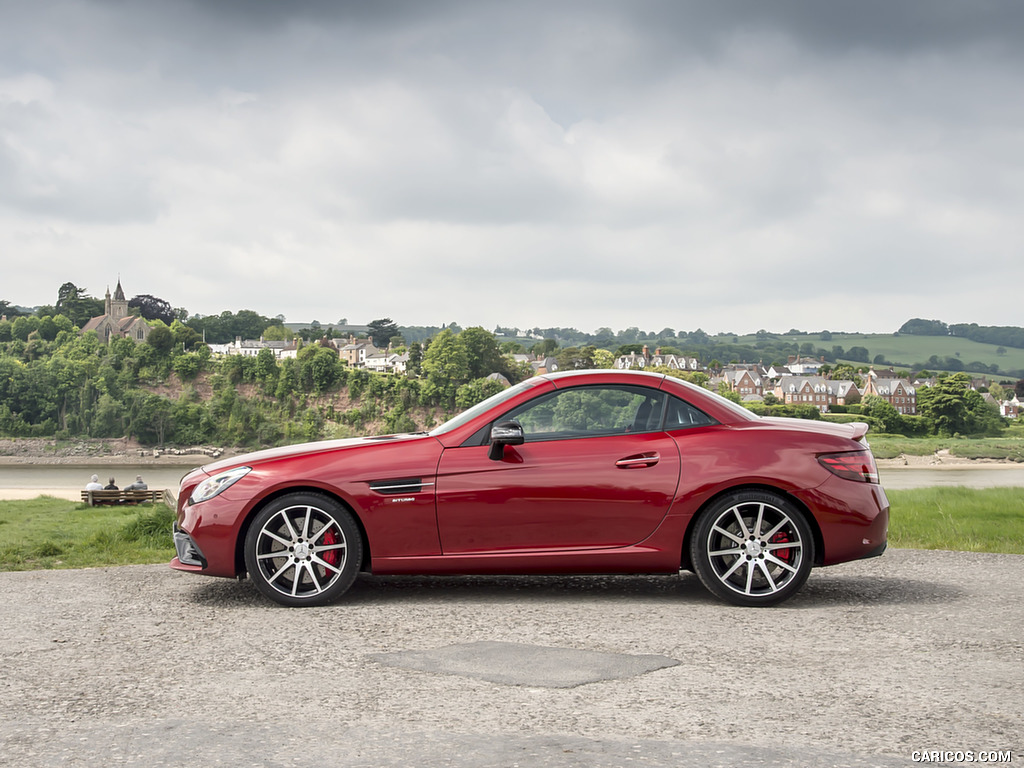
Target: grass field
46,533
964,519
908,349
890,446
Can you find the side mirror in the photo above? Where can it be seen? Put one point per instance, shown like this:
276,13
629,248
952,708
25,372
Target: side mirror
504,433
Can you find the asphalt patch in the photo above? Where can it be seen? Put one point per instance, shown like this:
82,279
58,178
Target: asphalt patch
534,666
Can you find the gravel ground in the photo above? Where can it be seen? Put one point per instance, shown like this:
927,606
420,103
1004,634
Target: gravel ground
871,662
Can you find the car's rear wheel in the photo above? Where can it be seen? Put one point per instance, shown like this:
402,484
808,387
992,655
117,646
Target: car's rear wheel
752,548
303,549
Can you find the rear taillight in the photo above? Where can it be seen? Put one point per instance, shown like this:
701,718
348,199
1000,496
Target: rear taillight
855,465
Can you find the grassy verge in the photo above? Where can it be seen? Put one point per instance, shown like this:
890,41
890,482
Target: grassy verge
1003,448
965,519
54,533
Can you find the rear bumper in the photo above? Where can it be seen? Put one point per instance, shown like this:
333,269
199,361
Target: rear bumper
877,552
853,519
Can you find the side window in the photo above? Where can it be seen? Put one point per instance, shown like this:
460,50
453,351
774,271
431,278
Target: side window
681,415
590,412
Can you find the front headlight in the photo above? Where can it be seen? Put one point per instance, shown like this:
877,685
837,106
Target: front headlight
211,486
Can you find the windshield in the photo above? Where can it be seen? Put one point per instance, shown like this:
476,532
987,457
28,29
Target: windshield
482,406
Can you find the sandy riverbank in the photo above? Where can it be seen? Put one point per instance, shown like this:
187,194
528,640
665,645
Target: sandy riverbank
113,452
23,494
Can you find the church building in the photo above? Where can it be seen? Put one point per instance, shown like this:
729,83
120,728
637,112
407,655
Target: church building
115,321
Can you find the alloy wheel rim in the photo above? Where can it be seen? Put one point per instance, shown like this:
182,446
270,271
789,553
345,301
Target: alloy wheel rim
755,549
301,551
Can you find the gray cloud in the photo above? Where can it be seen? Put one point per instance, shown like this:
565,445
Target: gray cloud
592,164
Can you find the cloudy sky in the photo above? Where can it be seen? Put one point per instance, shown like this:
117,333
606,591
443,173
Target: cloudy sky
730,164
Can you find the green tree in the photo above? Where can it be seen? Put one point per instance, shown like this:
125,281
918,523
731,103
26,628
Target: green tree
545,347
287,379
858,354
277,333
266,370
603,358
187,365
482,353
48,328
575,358
945,404
152,417
886,415
73,302
446,368
185,338
414,367
728,394
23,326
225,327
381,331
983,417
321,368
160,338
475,391
152,308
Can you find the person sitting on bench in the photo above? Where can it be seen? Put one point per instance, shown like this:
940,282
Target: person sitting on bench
138,485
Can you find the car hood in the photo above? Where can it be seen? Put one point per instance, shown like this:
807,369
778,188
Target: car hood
853,430
299,449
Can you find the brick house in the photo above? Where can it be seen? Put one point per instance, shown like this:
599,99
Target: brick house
1010,409
356,351
745,382
820,392
899,393
645,359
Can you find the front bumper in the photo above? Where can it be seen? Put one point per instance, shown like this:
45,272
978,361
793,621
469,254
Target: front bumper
190,557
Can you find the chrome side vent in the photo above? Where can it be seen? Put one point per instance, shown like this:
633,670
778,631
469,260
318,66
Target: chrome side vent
399,485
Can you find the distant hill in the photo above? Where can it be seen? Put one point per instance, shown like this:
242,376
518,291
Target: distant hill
914,352
1001,335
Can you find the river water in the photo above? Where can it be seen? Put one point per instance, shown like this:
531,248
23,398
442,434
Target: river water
73,477
69,478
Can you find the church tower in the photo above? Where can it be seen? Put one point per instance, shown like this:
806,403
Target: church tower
116,307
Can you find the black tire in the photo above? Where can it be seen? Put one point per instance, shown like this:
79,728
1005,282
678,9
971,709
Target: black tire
752,548
303,549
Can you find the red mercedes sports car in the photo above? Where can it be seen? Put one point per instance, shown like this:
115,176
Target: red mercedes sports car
578,472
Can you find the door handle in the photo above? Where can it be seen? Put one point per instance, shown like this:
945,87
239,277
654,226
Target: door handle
640,460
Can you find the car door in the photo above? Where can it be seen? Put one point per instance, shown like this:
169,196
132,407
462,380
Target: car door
595,471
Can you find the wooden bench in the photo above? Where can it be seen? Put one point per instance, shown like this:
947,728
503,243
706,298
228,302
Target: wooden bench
93,498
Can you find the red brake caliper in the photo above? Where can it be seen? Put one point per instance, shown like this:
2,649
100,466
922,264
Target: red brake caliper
780,538
331,556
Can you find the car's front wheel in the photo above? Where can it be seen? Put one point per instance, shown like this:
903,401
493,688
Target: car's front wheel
752,548
303,549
